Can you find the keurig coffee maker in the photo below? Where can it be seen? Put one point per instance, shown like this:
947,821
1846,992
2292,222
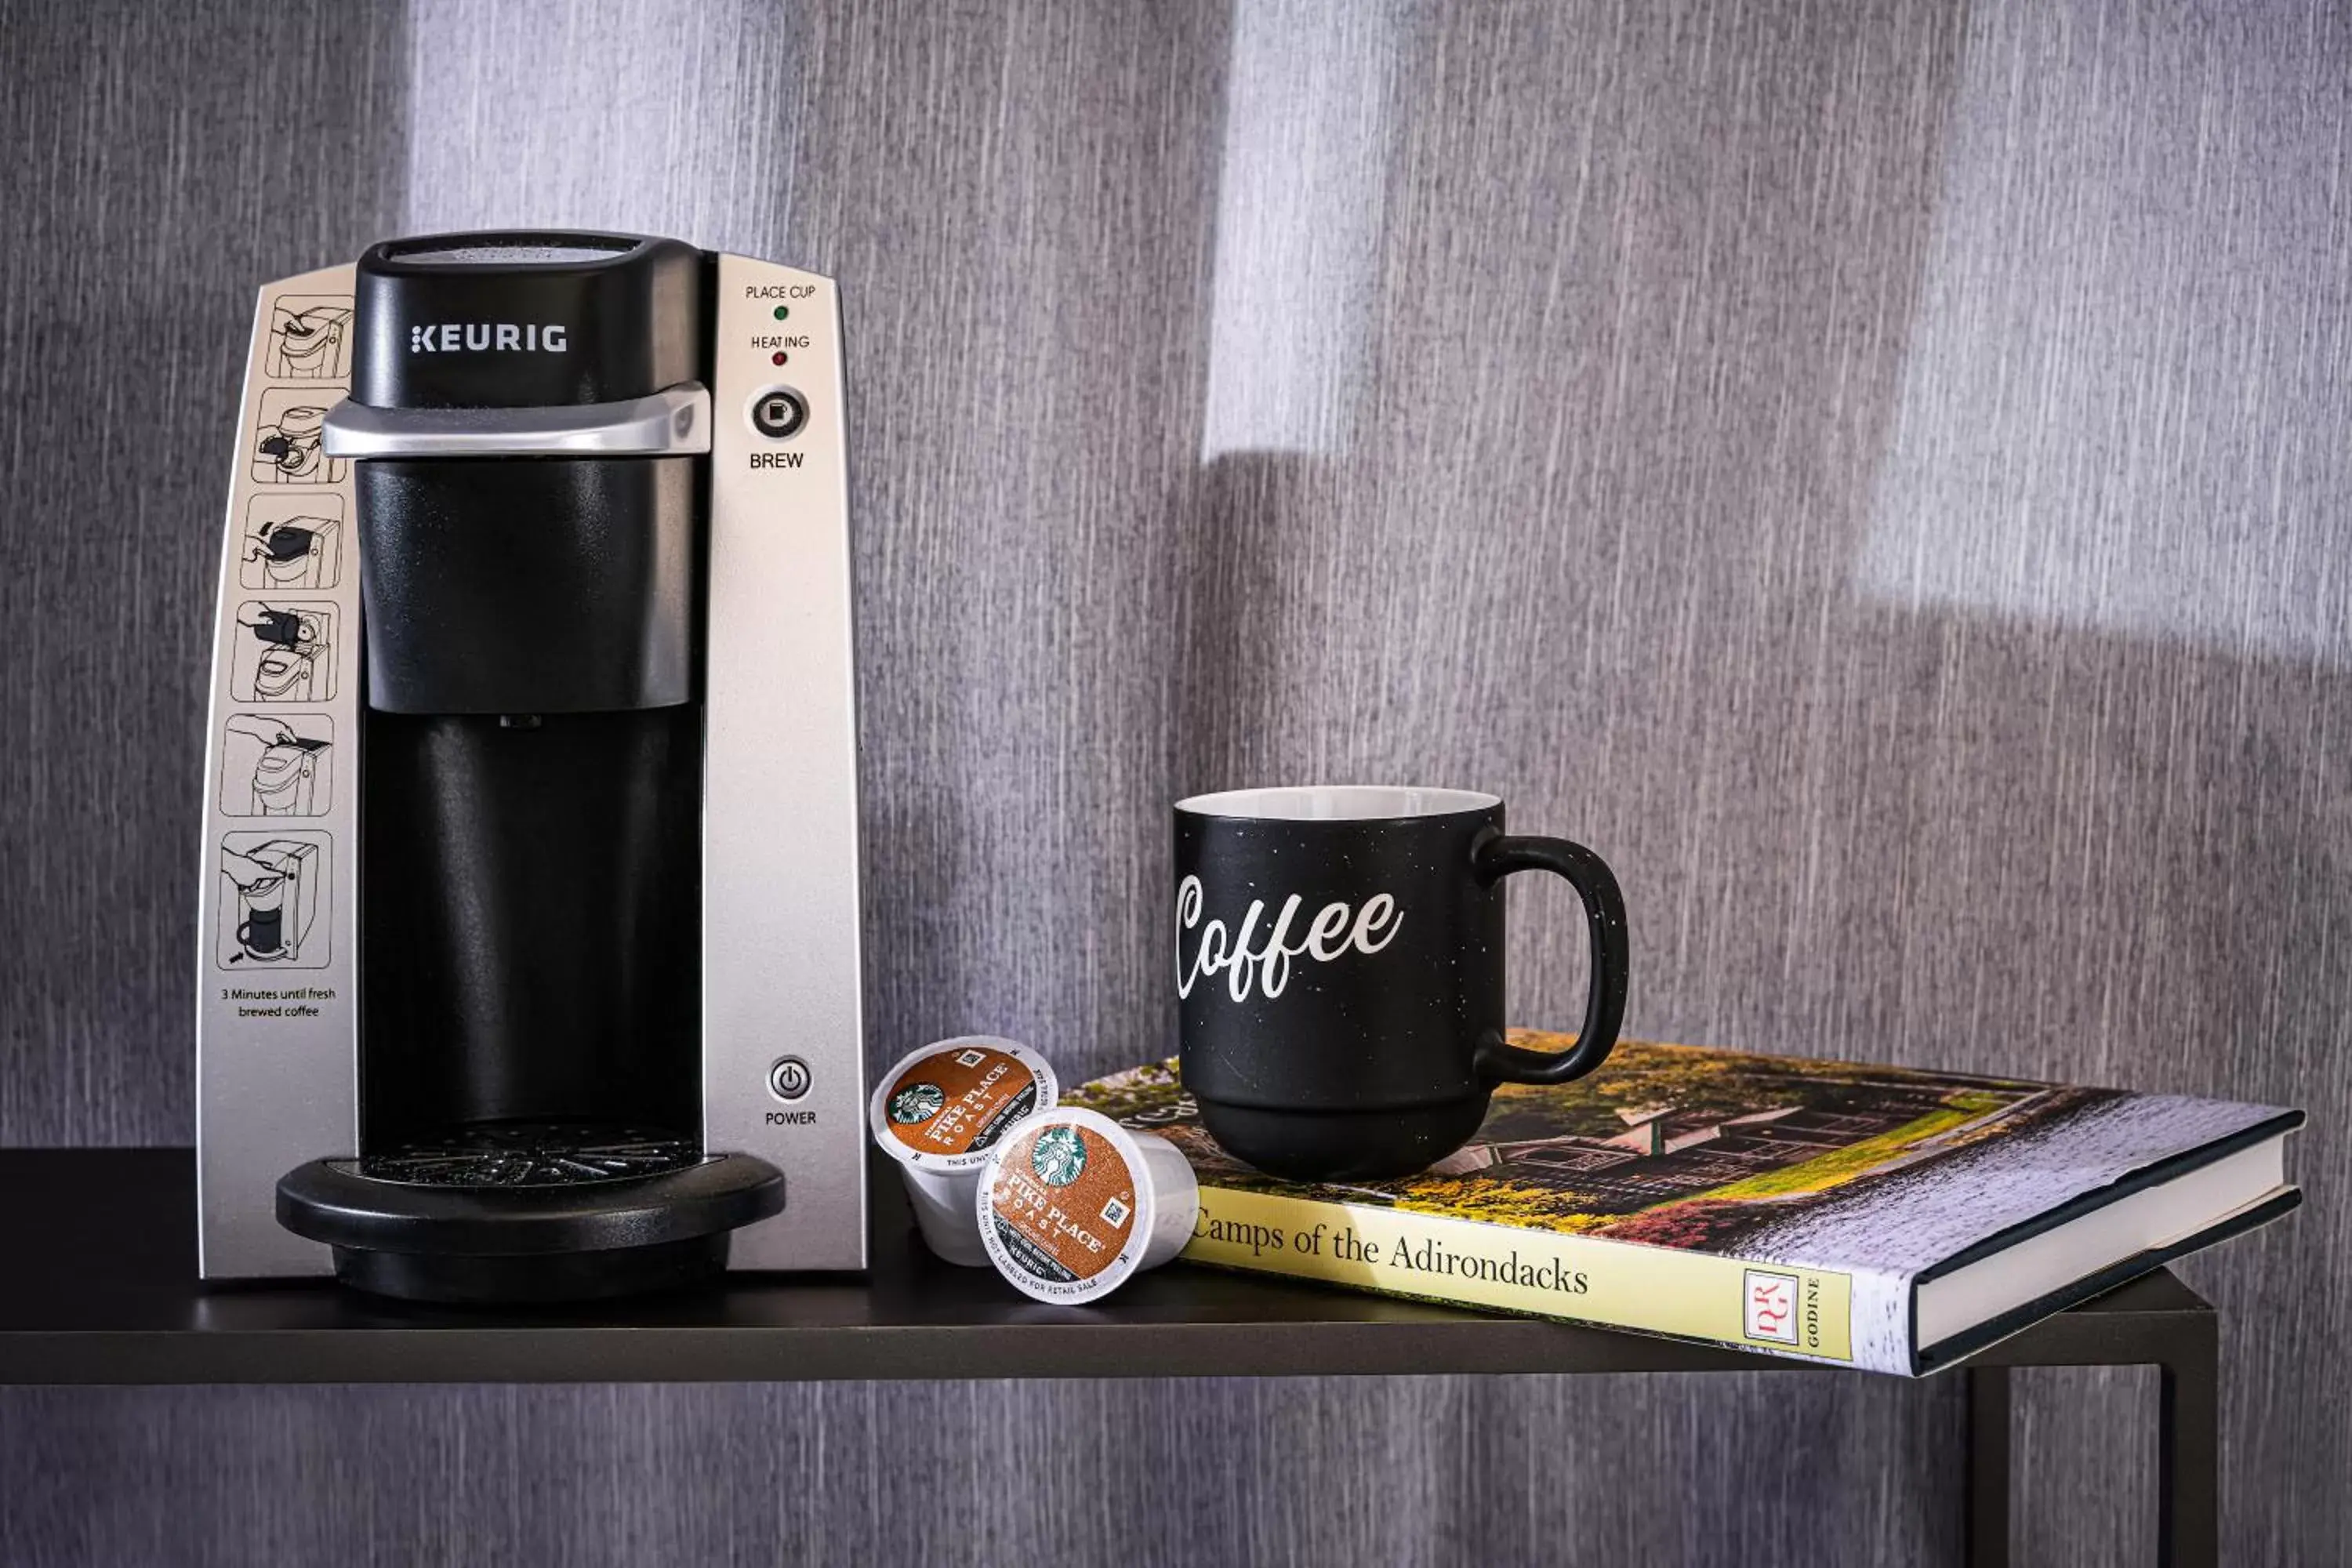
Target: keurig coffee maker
546,984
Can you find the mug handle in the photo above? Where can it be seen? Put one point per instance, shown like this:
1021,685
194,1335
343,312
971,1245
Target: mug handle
1604,998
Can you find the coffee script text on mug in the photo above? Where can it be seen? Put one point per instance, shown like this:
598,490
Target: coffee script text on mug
1267,968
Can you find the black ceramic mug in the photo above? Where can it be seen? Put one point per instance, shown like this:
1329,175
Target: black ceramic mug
1340,973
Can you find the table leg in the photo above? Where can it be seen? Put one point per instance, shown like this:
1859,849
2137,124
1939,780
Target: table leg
1986,1531
2189,1457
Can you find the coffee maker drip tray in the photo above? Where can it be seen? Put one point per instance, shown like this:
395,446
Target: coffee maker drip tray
532,1154
523,1212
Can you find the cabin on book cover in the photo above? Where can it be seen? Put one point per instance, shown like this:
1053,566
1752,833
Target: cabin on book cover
1689,1147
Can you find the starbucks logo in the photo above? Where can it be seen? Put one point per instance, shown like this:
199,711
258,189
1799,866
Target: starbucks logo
915,1102
1059,1156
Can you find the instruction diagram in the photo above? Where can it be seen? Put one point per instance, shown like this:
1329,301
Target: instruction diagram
276,766
292,542
288,437
273,894
282,652
310,339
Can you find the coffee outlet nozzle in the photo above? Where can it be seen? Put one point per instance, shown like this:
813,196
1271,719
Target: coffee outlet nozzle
564,950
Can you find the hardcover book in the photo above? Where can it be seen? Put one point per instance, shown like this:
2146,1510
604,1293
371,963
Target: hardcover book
1873,1216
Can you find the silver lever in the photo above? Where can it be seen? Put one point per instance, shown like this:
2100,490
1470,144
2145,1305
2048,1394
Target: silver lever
672,423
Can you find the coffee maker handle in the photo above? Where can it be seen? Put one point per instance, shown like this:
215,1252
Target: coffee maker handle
1604,999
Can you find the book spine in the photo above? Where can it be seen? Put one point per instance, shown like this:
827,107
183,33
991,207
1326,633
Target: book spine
1781,1309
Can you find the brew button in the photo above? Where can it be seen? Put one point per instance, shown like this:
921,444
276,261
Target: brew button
779,413
789,1078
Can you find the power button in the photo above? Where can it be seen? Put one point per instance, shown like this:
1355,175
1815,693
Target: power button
788,1080
778,413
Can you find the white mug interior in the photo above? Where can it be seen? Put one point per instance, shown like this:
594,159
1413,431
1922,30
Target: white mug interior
1337,803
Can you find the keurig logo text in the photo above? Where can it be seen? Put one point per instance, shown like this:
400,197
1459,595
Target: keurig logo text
481,337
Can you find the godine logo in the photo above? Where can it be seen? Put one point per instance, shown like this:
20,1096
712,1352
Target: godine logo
482,337
1771,1306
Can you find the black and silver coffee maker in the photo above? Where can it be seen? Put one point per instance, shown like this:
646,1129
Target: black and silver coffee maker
568,1003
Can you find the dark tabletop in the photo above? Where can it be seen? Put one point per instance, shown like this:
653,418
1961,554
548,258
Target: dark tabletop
98,1256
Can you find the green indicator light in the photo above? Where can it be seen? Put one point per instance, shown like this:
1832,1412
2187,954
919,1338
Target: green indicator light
782,310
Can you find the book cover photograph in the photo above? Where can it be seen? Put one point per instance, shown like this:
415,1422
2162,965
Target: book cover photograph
1779,1203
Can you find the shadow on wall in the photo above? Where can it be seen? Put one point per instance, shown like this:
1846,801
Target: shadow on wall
1568,512
167,161
1875,487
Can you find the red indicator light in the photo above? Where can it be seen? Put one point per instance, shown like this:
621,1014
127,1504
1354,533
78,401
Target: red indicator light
776,358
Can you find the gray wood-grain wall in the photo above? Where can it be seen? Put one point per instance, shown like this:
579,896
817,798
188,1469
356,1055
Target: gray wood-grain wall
1877,472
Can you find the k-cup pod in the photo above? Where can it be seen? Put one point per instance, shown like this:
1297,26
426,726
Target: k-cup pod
1072,1204
941,1112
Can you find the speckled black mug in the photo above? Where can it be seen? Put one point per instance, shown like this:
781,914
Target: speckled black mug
1340,973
